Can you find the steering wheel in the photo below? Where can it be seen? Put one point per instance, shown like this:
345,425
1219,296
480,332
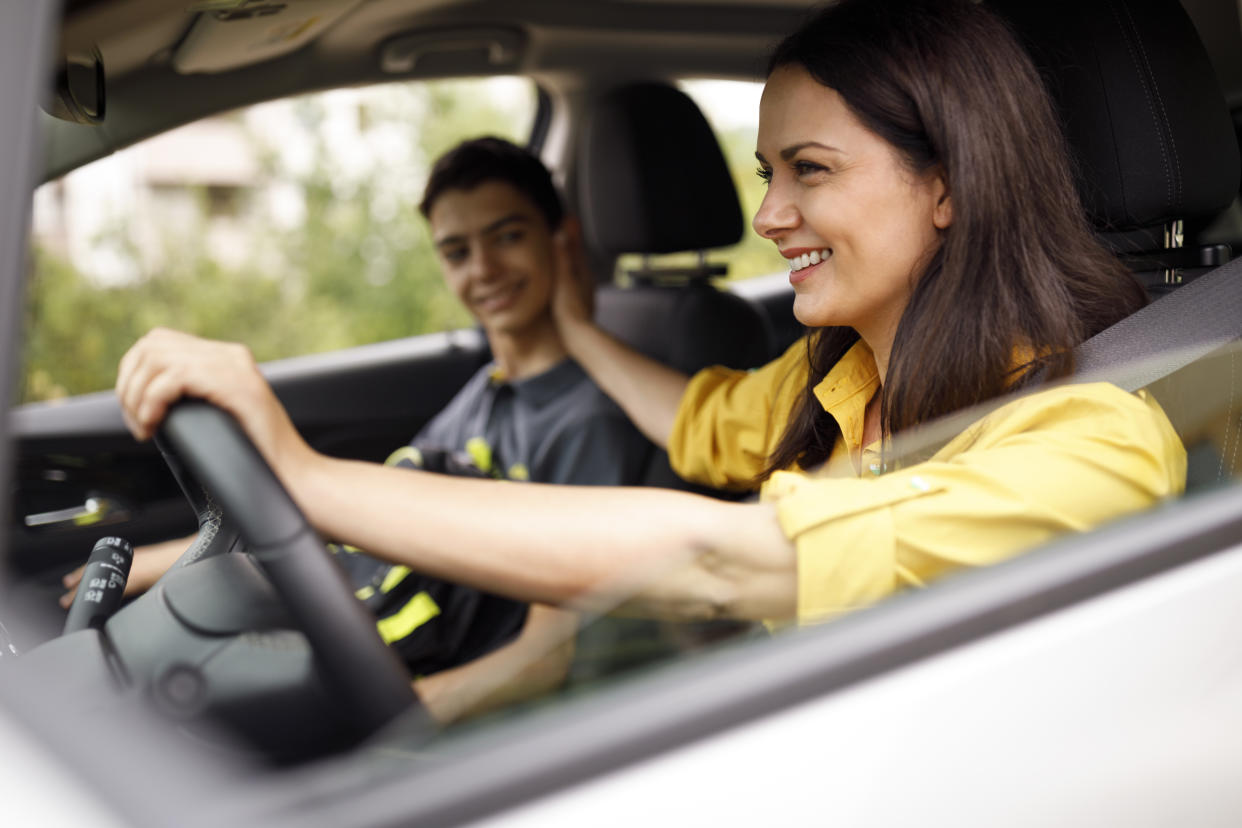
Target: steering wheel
238,496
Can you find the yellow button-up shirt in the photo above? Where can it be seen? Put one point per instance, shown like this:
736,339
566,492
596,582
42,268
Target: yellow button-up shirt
1062,459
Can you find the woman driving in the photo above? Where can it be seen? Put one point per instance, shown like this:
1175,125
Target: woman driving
920,188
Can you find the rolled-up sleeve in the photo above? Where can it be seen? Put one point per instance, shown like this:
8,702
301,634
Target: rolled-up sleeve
1063,460
729,421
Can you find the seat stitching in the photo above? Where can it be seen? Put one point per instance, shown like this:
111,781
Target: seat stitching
1164,160
1177,162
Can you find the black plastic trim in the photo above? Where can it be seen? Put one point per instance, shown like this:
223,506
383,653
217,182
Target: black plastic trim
25,70
542,122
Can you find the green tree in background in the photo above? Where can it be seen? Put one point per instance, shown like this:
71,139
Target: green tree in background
754,255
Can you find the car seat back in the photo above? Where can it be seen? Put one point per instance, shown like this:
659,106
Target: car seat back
1147,121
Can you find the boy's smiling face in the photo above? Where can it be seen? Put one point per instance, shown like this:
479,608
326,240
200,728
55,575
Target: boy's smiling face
497,253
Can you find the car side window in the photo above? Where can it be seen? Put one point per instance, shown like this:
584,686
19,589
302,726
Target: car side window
291,226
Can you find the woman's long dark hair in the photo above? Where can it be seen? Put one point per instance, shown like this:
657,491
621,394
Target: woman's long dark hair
1018,270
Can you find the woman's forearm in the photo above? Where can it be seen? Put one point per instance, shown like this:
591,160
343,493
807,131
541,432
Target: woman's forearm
648,391
661,552
670,553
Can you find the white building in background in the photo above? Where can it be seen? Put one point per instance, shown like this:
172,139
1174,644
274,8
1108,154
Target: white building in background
130,198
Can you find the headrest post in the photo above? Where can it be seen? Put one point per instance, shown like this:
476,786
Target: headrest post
1174,238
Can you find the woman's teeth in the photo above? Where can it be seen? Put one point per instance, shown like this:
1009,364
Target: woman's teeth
808,259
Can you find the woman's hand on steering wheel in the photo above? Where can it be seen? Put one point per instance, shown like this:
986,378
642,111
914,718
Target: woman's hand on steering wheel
165,365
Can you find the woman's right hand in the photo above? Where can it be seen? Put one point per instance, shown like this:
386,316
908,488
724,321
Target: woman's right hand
573,297
646,390
165,365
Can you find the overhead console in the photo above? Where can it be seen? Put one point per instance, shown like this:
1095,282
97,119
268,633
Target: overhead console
229,34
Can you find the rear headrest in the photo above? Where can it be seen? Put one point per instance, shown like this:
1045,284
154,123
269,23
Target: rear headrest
651,177
1142,107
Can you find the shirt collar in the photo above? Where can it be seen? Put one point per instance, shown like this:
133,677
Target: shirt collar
544,387
846,390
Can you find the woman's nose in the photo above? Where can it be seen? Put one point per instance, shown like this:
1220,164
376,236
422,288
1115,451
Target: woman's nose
777,214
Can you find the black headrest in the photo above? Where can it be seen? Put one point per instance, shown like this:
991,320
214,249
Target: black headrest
1142,106
651,177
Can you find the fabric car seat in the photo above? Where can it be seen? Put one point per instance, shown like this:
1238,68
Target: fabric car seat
651,179
1147,123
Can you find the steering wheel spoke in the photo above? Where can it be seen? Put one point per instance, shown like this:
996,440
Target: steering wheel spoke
236,496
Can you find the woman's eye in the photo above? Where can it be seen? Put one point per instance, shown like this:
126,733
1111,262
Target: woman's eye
805,168
765,174
510,237
454,255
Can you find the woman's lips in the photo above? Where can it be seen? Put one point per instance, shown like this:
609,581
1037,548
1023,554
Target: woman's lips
803,261
796,276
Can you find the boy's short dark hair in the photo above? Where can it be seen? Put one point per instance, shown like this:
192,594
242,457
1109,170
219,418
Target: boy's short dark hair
478,160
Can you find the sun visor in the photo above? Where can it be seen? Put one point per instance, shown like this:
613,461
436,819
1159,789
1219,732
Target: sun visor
229,34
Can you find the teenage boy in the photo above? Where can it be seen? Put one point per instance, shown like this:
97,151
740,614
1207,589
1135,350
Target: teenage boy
530,415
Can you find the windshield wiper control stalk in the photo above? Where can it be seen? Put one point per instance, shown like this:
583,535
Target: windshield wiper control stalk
102,586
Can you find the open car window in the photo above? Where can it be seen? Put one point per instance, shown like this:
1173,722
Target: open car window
291,226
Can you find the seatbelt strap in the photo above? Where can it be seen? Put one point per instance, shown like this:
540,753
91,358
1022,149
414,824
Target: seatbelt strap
1145,347
1170,333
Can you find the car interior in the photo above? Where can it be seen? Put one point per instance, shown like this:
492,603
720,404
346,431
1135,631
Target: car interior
239,652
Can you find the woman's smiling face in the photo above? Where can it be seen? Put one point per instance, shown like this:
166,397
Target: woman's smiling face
856,224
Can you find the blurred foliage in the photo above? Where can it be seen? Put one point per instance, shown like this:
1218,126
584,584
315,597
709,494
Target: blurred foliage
354,266
357,267
754,256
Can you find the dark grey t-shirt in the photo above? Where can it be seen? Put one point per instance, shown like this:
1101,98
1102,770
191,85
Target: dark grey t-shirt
555,427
